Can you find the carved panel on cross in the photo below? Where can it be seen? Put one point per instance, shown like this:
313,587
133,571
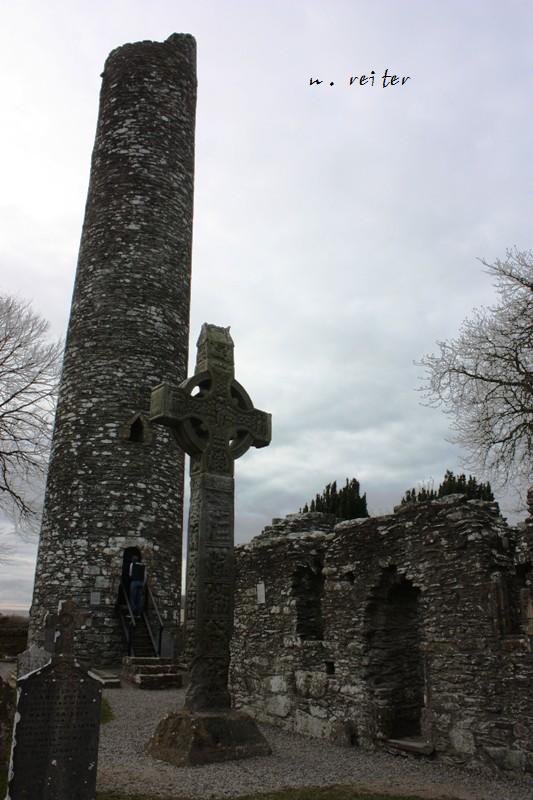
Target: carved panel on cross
220,524
215,634
190,605
219,599
194,518
218,457
220,565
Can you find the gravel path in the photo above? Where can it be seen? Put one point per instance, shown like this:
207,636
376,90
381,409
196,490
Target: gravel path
296,761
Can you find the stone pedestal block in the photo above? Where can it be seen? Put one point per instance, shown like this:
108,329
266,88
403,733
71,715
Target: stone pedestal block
187,739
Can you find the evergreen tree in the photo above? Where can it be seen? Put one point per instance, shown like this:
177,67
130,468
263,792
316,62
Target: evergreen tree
345,503
451,484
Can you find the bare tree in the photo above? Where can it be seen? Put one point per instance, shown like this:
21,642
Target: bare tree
484,377
29,370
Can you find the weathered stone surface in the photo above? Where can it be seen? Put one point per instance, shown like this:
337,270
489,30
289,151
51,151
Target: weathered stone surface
308,725
55,747
189,739
151,673
55,741
31,659
420,631
215,426
113,481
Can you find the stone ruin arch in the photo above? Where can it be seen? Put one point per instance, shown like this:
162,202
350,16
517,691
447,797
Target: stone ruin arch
394,673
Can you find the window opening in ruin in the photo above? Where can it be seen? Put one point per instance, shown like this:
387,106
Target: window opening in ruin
330,668
307,589
522,599
260,592
137,430
395,671
524,573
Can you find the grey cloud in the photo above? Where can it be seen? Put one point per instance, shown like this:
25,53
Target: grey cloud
336,230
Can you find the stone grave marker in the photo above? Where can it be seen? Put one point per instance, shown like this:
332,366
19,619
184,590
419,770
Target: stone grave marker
213,420
34,657
55,740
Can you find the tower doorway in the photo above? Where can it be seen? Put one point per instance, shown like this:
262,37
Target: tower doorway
128,554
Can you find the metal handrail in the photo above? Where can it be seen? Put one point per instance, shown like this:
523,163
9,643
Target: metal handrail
153,604
130,612
150,633
127,628
129,625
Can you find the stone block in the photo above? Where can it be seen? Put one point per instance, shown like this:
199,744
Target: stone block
514,760
276,684
318,711
188,739
528,762
31,659
462,738
497,756
343,733
279,705
349,690
311,684
307,725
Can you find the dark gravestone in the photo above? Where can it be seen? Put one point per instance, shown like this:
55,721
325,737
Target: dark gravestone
214,421
55,743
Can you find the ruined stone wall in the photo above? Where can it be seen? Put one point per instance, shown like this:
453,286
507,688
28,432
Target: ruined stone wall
113,481
424,641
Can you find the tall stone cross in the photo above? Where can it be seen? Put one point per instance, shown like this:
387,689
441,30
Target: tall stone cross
214,421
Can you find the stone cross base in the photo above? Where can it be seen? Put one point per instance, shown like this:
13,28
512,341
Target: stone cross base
188,738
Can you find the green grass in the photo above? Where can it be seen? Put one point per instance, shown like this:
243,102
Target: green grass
311,793
106,712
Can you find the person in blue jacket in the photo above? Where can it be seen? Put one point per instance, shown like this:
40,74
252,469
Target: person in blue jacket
137,584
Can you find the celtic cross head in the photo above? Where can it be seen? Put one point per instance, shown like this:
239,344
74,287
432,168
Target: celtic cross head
211,414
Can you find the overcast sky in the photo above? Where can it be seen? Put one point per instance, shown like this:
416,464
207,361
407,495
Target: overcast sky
336,227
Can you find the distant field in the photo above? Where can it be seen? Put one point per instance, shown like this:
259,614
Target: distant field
13,634
14,612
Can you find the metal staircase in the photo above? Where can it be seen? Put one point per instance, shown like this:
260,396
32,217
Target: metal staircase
142,634
143,664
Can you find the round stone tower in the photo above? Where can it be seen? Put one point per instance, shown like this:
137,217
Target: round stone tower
114,482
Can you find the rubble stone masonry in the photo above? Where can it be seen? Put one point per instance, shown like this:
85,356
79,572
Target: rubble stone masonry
411,631
114,482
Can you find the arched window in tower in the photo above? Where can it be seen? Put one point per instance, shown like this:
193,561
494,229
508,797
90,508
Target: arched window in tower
137,430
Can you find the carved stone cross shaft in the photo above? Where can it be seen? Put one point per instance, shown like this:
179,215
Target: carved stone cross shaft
214,421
